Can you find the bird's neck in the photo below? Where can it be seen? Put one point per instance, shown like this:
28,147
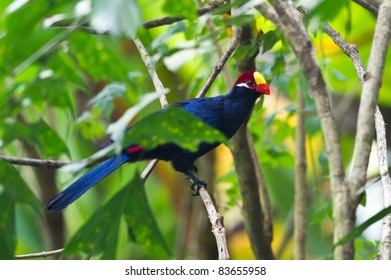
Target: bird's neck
237,110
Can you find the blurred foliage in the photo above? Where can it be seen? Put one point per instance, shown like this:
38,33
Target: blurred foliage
100,233
69,69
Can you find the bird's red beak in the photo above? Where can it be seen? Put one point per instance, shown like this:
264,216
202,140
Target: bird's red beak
262,86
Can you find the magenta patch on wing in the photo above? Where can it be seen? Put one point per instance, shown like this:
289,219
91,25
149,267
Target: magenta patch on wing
134,149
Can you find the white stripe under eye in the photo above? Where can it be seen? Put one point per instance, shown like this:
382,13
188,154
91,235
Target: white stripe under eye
242,85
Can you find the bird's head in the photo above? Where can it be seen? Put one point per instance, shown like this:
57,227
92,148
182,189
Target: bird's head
253,80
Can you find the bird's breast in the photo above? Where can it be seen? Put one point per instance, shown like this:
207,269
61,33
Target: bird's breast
235,115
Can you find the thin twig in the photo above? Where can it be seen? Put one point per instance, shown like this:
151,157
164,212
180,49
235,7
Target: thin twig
151,70
169,20
222,61
40,255
147,25
148,170
301,190
45,163
217,46
368,6
214,216
218,228
385,244
34,162
162,21
369,96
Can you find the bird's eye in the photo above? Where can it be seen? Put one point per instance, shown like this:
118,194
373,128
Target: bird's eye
250,83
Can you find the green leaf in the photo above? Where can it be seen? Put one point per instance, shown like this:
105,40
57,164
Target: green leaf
269,120
357,231
187,9
15,186
37,133
338,75
142,226
312,125
13,189
117,130
232,191
179,27
100,233
104,99
279,65
326,10
49,90
172,125
269,40
7,226
90,124
324,161
319,216
99,57
363,201
118,17
23,21
239,20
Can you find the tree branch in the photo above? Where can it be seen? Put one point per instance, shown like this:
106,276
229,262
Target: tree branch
169,20
296,34
34,162
47,163
385,244
65,24
252,210
256,208
217,222
352,52
151,70
368,6
40,255
301,191
369,96
222,61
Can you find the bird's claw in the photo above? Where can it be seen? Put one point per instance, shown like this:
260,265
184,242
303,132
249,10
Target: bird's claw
196,186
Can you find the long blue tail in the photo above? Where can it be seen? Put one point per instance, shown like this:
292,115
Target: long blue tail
85,182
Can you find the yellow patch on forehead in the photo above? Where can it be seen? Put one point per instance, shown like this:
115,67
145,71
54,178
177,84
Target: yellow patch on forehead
259,79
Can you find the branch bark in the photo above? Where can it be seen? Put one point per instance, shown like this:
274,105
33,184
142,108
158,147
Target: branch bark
169,20
40,255
253,214
151,70
372,7
369,96
297,36
352,52
301,191
222,61
385,244
45,163
33,162
147,25
217,222
256,207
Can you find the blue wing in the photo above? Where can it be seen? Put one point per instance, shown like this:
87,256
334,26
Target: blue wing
209,110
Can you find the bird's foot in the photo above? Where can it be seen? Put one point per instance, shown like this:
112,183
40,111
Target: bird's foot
196,186
194,169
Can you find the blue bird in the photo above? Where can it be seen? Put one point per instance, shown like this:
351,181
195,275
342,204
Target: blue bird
225,113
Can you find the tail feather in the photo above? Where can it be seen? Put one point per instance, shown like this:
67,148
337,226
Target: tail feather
85,182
